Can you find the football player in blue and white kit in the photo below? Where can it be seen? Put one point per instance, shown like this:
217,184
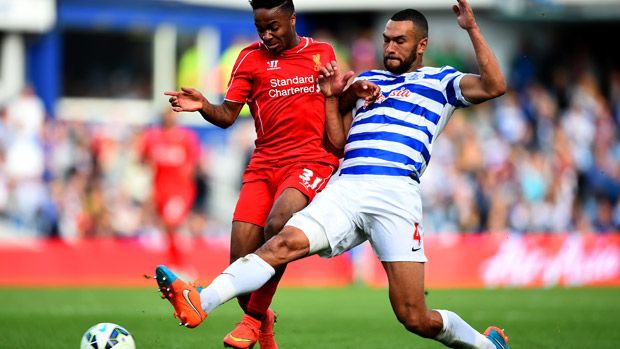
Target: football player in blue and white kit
387,122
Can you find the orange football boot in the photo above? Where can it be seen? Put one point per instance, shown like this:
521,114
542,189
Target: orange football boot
245,335
184,297
266,338
497,337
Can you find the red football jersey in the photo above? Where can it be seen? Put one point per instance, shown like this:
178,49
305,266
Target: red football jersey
285,100
173,153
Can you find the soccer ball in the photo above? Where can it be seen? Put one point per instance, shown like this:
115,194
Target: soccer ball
107,336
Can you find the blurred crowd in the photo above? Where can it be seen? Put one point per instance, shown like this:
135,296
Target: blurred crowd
73,180
543,158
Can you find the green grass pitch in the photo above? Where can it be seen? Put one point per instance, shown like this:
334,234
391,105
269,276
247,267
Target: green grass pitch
354,317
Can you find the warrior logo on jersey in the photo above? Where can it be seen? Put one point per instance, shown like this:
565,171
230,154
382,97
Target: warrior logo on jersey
317,61
273,65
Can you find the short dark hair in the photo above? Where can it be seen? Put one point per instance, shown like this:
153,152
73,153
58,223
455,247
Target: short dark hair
285,5
414,16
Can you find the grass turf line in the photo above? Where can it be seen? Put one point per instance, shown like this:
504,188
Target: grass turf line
354,317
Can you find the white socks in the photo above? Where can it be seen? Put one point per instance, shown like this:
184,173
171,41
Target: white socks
457,333
245,275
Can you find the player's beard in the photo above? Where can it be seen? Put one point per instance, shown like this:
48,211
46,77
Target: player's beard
403,67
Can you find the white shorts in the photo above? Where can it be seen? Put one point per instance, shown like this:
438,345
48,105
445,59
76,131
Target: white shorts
386,211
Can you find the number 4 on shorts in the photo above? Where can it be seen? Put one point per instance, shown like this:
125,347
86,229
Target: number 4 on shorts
417,239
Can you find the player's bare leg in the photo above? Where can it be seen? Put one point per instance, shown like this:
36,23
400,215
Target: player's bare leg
406,289
244,239
257,323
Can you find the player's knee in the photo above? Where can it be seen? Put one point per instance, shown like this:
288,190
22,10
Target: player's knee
287,246
416,325
415,321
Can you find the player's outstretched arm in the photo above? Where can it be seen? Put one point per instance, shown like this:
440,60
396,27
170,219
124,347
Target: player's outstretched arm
190,100
332,83
490,83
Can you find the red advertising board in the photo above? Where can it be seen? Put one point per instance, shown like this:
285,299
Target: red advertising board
109,262
510,260
455,261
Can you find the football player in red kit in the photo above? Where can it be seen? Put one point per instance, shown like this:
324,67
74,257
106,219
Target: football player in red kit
277,78
172,151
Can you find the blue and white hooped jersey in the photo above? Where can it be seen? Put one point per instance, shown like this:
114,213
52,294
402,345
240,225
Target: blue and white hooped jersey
394,135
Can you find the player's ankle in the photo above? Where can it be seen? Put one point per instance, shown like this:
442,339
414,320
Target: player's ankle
256,315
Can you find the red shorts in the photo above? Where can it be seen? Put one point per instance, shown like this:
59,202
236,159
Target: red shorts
173,204
262,186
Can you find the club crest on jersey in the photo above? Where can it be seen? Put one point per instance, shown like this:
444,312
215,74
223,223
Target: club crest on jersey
272,65
379,100
415,76
317,61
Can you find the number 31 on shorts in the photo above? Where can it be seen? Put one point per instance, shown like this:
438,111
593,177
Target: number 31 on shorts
309,180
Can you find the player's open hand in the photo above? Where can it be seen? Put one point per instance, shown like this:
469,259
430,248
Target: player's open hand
331,81
464,15
188,99
366,90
